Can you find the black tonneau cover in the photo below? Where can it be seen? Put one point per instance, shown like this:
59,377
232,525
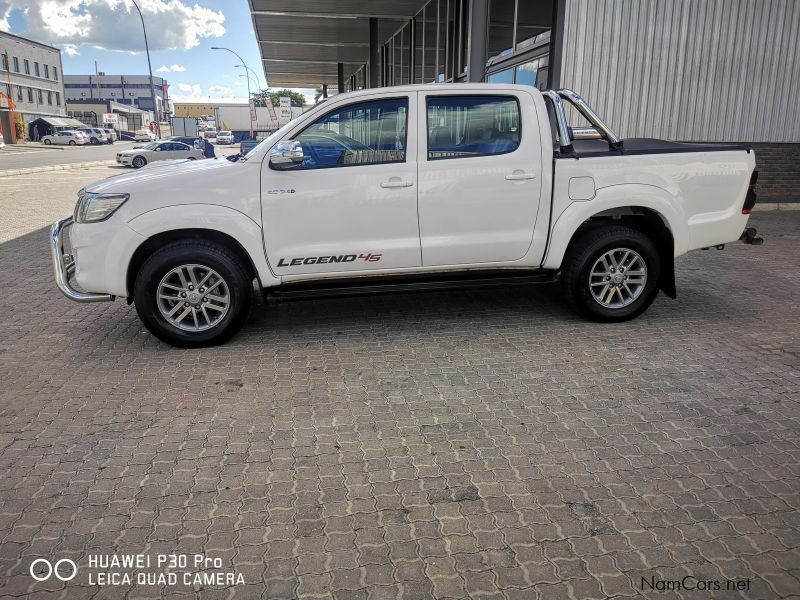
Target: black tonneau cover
633,146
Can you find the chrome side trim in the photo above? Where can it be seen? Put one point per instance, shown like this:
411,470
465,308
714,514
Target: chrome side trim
587,111
62,271
564,139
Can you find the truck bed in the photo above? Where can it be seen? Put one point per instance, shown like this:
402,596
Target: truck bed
634,146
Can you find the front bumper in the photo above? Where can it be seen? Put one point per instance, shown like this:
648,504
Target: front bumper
63,266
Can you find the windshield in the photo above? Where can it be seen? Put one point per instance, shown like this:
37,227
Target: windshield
151,146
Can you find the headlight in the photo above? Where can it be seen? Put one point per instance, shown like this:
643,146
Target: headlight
92,208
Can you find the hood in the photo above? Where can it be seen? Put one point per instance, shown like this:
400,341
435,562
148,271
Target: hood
159,170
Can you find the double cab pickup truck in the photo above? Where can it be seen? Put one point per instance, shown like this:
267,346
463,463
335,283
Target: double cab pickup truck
411,187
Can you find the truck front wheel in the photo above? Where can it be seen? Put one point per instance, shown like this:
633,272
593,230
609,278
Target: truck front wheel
611,273
193,294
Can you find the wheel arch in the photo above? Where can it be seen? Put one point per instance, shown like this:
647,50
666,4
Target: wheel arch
650,212
225,226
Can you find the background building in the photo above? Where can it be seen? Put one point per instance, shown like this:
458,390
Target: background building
90,112
687,70
31,76
124,89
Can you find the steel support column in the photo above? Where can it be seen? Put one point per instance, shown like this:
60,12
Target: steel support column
556,45
478,39
340,77
374,79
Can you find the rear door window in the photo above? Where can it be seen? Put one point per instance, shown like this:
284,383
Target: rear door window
465,126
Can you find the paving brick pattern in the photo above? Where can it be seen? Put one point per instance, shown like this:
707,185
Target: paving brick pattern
484,444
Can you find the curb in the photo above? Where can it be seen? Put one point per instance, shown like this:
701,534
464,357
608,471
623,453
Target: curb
767,206
48,168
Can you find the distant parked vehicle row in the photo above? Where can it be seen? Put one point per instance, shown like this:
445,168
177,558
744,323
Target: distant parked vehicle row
95,135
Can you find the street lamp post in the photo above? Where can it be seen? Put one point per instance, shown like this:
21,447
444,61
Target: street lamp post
250,78
150,70
249,96
255,75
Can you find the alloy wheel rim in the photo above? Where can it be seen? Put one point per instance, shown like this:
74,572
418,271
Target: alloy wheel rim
618,278
193,298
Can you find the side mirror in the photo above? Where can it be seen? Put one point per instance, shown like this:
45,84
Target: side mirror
285,155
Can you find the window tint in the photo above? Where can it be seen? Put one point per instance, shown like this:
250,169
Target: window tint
359,134
462,126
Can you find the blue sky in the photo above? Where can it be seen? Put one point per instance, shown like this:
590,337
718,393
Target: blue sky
180,33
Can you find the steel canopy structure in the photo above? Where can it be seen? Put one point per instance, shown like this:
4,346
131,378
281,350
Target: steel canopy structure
303,42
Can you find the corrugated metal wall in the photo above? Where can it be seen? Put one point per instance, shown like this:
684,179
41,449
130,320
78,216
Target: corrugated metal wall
700,70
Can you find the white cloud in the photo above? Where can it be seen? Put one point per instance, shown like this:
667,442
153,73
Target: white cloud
115,24
173,69
71,50
189,90
220,90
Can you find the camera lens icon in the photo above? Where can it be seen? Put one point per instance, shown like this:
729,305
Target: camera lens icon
57,569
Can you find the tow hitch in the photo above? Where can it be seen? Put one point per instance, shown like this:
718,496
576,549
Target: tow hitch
750,236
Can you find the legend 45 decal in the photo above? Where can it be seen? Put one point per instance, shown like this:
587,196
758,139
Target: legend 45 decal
325,260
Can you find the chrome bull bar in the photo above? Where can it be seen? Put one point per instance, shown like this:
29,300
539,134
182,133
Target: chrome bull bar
63,265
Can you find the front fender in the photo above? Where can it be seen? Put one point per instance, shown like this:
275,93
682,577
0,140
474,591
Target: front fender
611,197
214,217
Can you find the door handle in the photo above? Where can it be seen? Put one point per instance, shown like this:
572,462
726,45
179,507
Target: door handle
520,176
396,182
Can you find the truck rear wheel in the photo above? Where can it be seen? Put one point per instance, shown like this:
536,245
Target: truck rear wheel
611,273
193,294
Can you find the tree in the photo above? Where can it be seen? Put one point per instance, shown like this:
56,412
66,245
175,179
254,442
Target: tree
297,98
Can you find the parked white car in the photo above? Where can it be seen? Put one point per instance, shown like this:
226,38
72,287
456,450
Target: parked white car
406,188
225,137
155,151
95,135
70,138
2,141
111,134
210,132
144,135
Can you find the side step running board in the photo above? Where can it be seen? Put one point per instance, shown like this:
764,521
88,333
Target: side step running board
402,284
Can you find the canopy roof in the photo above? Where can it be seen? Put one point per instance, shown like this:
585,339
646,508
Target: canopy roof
302,41
62,121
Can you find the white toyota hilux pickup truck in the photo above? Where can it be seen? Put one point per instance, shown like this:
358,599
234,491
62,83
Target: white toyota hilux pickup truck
412,187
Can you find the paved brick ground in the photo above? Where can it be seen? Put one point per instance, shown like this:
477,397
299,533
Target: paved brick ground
450,445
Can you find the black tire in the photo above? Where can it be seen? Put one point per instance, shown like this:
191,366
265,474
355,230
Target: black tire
138,162
72,142
210,255
47,142
95,141
587,250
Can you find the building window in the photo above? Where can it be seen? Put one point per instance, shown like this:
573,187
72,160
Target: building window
47,71
5,62
49,97
30,95
27,66
36,69
465,126
365,133
55,73
501,27
7,89
39,96
16,65
19,93
58,99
